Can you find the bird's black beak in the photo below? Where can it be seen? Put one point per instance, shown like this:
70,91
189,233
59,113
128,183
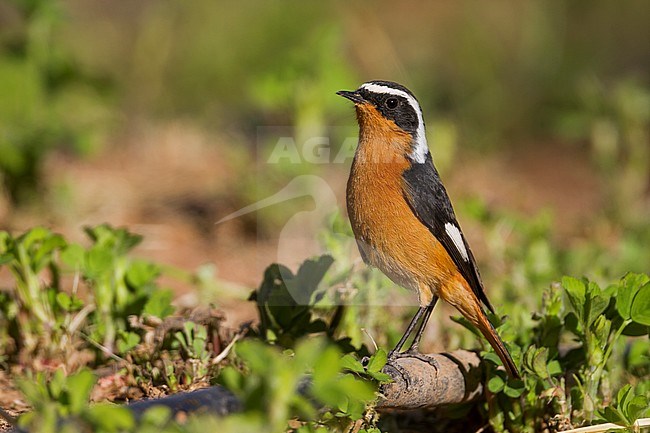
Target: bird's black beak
352,96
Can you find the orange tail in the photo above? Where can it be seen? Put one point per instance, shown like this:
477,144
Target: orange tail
495,341
460,295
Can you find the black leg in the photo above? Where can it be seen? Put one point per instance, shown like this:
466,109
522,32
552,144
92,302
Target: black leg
409,330
423,324
423,313
412,352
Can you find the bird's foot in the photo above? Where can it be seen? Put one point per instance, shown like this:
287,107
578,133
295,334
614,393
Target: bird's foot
393,356
401,370
412,352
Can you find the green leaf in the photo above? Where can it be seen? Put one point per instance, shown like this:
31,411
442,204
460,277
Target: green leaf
492,357
119,240
69,303
626,407
127,341
79,387
636,407
307,279
356,389
596,302
308,351
73,256
496,384
355,409
37,234
380,376
514,388
575,290
540,362
57,384
159,304
610,414
554,368
99,261
377,361
640,311
112,418
33,388
326,367
141,273
628,288
623,395
232,379
156,416
42,255
63,300
349,362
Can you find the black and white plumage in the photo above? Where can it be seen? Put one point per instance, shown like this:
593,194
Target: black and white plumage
408,116
423,188
428,198
401,215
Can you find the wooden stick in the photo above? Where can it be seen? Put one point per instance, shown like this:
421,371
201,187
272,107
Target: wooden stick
427,381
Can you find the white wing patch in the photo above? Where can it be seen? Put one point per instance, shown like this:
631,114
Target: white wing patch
421,149
454,234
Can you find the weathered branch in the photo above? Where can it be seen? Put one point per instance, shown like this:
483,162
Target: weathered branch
428,381
419,381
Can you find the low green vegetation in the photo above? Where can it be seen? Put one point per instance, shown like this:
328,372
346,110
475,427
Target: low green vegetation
584,351
585,343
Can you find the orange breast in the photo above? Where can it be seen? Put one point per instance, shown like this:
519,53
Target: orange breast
390,236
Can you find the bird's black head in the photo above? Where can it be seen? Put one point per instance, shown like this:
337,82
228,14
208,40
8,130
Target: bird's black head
385,104
394,101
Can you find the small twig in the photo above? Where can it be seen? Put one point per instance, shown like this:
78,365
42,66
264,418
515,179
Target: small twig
80,317
75,281
103,348
224,353
374,343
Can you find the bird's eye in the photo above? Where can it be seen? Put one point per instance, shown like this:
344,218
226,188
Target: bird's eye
392,103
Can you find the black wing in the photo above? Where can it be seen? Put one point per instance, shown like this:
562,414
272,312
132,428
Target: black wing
427,197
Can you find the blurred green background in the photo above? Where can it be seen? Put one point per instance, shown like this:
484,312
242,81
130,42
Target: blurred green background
147,114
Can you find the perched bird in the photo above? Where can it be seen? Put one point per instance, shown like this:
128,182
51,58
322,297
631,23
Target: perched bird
401,215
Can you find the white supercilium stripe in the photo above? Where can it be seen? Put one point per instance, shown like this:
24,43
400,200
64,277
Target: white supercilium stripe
454,234
421,147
